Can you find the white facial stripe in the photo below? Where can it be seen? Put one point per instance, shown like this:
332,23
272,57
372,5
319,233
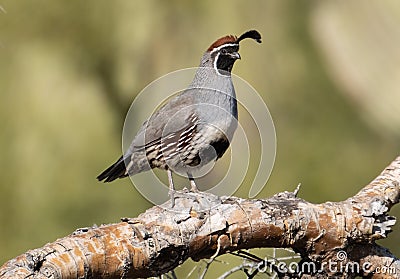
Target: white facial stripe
222,46
215,62
215,66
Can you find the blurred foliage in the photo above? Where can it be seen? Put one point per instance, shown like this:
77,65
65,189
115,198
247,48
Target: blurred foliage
71,69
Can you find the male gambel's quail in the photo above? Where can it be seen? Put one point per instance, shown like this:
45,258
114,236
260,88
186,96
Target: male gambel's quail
192,128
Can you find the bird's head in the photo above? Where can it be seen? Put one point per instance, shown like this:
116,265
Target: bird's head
224,52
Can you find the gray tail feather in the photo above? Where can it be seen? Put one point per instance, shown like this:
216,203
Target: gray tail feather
116,170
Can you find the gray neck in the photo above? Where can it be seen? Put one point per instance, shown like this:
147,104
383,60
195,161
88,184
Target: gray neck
216,90
208,77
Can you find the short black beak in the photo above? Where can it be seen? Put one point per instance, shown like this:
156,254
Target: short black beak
235,55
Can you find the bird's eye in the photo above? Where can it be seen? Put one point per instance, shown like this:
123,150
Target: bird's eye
224,51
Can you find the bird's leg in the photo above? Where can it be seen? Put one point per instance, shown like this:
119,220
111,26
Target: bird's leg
171,187
192,183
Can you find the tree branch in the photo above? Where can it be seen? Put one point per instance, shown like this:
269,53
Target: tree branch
202,225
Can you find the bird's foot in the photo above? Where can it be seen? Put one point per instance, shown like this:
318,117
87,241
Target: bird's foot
194,189
183,195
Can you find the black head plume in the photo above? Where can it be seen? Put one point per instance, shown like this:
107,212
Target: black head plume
252,34
224,51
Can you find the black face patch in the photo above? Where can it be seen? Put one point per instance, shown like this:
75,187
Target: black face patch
225,60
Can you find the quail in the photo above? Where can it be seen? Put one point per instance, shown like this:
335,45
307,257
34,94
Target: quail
192,128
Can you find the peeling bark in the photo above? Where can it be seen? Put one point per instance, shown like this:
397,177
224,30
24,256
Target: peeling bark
202,225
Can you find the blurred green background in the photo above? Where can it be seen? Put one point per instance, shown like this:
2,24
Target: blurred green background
328,70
